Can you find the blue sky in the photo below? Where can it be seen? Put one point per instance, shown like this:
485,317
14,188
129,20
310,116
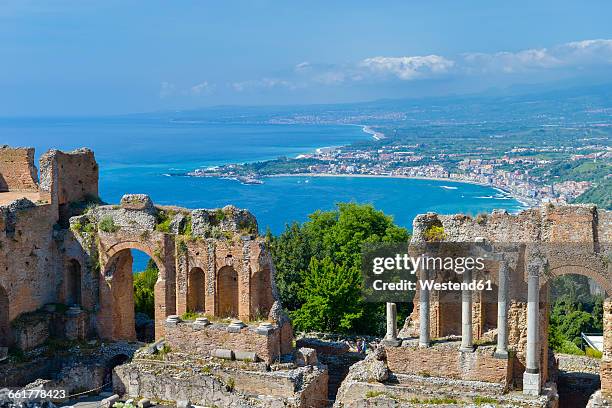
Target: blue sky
101,57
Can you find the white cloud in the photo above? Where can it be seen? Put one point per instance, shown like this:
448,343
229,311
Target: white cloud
408,68
202,87
571,57
572,54
264,83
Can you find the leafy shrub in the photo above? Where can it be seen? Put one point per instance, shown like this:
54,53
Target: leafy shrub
107,224
164,219
144,289
190,315
593,353
309,257
434,233
568,347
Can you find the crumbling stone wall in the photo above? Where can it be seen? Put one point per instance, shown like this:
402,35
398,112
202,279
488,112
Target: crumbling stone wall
17,170
43,259
29,273
444,360
69,176
573,239
203,340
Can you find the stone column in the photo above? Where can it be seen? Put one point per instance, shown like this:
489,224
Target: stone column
467,344
502,312
391,336
531,377
424,340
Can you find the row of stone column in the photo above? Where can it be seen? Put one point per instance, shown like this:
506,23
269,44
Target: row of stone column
531,380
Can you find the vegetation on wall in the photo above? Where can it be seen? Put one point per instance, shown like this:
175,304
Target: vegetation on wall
318,267
107,224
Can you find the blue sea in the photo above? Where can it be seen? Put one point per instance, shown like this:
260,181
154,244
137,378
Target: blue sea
136,154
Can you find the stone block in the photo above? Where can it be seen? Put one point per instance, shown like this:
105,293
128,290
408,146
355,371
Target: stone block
141,202
246,355
264,329
183,404
306,356
236,326
531,384
109,401
224,354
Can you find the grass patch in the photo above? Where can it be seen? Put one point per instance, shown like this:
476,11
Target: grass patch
164,219
485,400
107,224
190,315
593,353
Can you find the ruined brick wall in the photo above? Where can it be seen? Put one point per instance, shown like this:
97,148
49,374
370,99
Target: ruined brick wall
202,341
237,277
17,170
69,176
30,271
444,360
573,239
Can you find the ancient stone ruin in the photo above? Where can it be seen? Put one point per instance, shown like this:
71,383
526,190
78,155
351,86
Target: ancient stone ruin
470,347
220,336
66,281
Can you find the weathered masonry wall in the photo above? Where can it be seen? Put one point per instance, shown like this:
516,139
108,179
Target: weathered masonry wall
209,261
17,170
69,176
546,242
203,340
445,360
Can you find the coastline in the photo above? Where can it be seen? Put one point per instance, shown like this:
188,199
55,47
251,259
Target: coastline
524,203
368,129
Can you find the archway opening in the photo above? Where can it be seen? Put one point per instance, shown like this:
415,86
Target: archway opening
227,287
128,299
145,275
115,361
575,336
4,319
261,294
196,291
73,283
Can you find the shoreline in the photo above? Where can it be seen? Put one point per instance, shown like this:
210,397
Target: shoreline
368,129
524,203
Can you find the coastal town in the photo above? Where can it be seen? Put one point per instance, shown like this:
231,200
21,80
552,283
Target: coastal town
519,172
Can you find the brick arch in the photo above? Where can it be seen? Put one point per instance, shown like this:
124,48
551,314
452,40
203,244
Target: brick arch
114,249
227,292
196,290
5,327
116,314
73,282
567,269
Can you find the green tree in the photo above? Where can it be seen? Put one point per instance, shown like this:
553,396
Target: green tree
337,237
144,286
332,298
